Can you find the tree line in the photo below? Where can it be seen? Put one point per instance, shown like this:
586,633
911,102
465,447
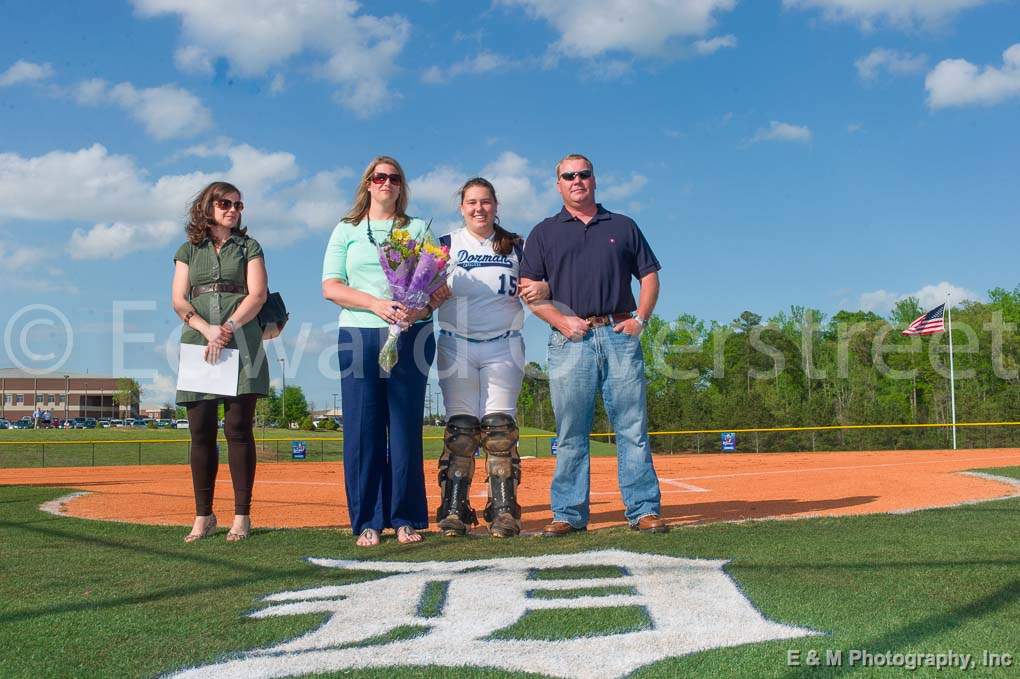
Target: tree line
800,369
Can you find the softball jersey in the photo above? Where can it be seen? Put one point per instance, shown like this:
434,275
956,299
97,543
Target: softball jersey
480,351
484,286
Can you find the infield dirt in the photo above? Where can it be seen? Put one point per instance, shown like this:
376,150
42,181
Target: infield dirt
695,488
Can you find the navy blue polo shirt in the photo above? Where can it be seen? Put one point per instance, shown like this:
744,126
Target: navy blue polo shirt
590,266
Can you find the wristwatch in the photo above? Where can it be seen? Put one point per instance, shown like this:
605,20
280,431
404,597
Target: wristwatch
641,321
187,318
230,324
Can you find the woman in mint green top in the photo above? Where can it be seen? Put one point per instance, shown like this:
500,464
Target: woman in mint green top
384,474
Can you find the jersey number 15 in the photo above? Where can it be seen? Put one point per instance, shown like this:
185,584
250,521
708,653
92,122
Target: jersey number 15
504,287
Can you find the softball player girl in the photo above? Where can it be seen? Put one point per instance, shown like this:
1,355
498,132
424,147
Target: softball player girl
480,359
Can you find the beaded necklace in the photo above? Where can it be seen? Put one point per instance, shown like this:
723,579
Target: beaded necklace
371,239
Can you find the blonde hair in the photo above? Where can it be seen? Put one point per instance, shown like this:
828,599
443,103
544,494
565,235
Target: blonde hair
363,199
573,156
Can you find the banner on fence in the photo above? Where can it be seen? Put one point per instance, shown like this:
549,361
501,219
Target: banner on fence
729,442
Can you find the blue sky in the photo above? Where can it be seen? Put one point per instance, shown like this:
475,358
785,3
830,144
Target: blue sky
837,154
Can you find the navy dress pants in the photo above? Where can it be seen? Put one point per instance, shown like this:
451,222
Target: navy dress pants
384,473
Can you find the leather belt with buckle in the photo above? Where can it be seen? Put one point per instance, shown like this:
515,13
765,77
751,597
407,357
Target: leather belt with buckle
218,287
609,319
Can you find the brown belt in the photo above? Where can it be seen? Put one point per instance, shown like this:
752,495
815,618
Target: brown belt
609,319
218,287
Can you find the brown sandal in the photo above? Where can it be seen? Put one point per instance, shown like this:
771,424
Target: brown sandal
210,527
238,535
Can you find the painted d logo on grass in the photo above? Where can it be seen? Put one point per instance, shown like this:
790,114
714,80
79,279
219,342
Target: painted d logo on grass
478,613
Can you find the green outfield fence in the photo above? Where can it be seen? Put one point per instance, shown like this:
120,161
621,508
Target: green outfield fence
749,439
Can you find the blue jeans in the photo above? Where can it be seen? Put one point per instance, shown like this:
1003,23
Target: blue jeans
613,362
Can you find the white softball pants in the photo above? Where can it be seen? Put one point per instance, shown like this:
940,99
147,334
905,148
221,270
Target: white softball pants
478,378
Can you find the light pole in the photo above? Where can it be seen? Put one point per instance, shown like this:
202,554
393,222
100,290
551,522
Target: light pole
334,404
283,370
86,400
67,389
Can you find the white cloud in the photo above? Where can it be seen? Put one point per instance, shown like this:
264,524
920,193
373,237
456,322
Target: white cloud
779,131
957,82
713,45
610,190
357,52
893,61
277,85
15,257
438,188
641,28
319,202
929,296
193,59
854,128
526,194
522,203
879,301
159,390
117,207
166,112
114,241
483,62
904,14
25,72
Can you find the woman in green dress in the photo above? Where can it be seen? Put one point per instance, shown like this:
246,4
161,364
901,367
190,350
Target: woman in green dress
219,286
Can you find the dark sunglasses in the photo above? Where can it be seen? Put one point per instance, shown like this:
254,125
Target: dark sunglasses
381,177
224,204
569,176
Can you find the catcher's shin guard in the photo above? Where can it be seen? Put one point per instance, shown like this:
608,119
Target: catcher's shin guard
503,466
456,467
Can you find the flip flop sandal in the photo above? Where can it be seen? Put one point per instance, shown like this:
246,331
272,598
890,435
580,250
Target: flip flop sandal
370,534
405,536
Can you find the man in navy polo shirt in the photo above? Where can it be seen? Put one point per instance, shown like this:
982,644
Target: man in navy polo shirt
589,256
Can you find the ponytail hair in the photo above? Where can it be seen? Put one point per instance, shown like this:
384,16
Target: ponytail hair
503,241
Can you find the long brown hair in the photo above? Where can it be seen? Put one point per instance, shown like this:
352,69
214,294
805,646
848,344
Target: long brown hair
200,214
503,241
363,199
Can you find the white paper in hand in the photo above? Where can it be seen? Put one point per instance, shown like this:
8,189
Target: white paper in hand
195,374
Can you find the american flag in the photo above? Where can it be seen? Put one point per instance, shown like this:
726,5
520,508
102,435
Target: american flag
929,323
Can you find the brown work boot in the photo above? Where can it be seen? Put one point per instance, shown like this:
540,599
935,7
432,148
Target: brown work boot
504,526
453,527
559,529
650,523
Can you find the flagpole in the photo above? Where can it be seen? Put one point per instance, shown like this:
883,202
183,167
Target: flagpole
952,375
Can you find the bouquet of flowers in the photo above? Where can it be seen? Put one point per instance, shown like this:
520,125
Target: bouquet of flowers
414,270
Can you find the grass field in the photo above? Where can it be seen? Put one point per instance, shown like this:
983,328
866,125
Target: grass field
85,598
90,447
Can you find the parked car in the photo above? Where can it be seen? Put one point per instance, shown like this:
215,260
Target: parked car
138,422
22,424
164,423
79,423
4,424
116,423
90,423
104,423
181,424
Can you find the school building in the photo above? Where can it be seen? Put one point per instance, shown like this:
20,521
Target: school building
63,395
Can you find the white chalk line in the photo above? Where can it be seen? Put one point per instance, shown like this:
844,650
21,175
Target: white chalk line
688,487
56,506
843,468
